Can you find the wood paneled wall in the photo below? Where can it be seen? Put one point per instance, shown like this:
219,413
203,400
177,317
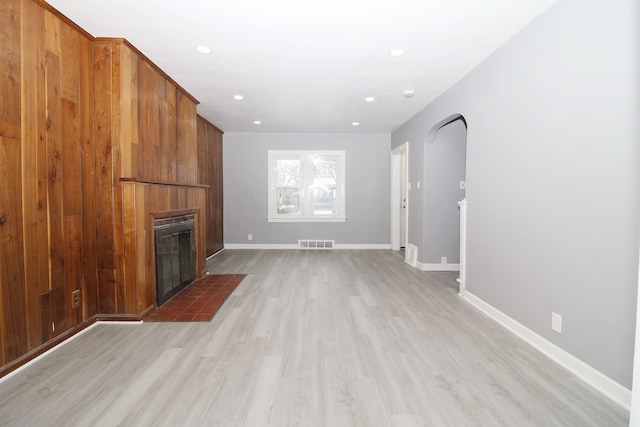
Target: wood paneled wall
47,164
94,141
210,173
146,137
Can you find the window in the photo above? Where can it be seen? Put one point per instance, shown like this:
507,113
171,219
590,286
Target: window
306,186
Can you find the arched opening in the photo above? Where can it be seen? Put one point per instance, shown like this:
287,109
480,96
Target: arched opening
444,181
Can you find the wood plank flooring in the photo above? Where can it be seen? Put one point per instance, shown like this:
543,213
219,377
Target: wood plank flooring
309,338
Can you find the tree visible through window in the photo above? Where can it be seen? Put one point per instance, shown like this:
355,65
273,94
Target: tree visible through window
306,185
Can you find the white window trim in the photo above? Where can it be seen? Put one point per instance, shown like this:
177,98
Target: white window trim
273,216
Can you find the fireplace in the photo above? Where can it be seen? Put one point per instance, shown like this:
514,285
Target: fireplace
175,255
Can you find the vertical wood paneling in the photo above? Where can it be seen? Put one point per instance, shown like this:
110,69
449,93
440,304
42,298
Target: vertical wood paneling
116,116
88,167
205,163
14,324
107,291
52,31
118,82
162,155
171,135
118,239
210,173
203,151
120,285
129,110
187,139
215,205
54,169
45,313
142,243
71,137
104,159
149,263
105,247
12,319
70,63
146,148
130,260
71,42
149,126
10,69
33,172
54,123
34,17
76,115
73,266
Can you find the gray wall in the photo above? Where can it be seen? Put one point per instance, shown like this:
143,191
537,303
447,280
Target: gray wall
444,168
367,188
552,177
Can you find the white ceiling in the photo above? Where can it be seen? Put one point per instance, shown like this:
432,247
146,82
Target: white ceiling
304,65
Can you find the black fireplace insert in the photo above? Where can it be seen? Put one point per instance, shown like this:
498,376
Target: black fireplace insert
175,255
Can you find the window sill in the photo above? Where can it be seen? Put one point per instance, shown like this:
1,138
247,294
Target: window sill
332,219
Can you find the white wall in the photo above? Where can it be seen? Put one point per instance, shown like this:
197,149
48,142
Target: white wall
367,188
552,177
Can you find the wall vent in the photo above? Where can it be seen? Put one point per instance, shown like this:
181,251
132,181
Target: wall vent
316,244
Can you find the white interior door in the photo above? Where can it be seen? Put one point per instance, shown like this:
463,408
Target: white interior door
399,196
403,199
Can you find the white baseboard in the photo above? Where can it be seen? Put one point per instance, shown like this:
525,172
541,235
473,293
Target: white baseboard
437,267
295,246
259,246
363,246
614,391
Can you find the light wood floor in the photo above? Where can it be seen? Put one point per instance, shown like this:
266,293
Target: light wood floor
309,338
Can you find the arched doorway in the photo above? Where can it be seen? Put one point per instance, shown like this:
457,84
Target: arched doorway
444,187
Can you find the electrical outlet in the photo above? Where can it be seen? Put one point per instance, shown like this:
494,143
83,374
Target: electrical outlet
75,298
556,322
443,260
249,236
463,185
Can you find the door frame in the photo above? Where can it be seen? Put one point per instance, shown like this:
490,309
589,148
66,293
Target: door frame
396,185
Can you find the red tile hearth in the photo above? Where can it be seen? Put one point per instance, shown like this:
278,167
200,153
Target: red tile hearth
199,301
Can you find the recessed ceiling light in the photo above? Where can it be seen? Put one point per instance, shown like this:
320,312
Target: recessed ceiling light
203,49
238,97
355,124
257,122
397,52
369,99
408,93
